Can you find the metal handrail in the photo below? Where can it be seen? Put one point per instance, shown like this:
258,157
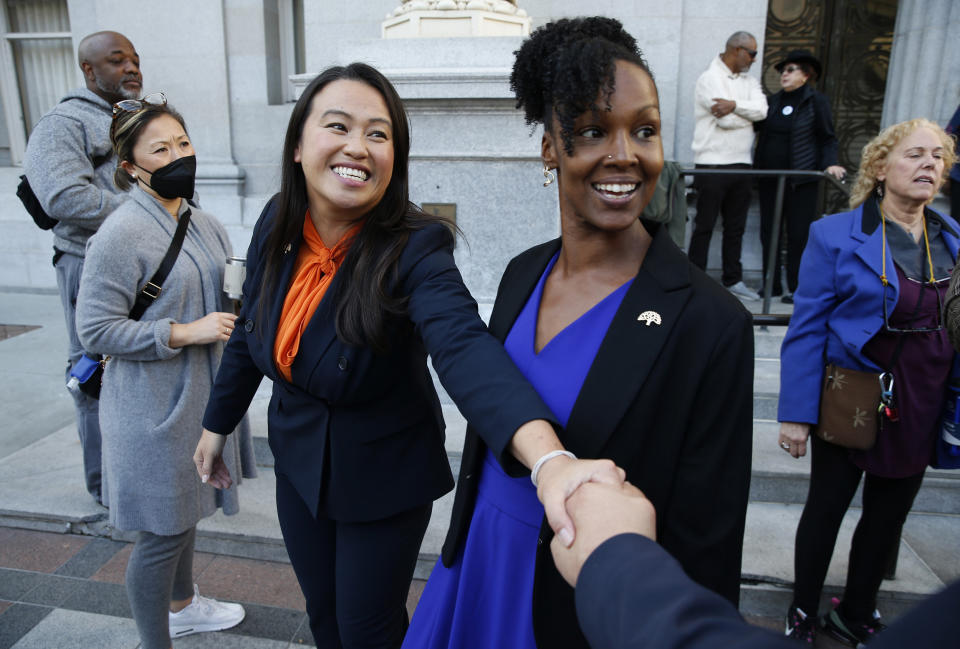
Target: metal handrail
767,318
771,319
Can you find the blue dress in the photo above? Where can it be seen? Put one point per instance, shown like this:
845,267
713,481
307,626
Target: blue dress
484,600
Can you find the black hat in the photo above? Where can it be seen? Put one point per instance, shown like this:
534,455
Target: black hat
801,56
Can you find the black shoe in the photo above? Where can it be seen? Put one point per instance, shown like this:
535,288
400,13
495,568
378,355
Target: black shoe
800,626
787,299
855,634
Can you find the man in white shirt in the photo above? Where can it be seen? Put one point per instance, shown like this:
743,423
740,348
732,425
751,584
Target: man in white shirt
727,103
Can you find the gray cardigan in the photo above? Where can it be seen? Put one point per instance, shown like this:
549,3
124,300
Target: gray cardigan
59,163
153,395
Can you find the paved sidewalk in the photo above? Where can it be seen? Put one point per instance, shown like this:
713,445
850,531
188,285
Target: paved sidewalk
64,591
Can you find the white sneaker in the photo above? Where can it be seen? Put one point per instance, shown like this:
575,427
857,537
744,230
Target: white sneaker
740,290
204,614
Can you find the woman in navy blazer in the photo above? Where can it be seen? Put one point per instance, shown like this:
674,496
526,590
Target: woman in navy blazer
869,299
355,424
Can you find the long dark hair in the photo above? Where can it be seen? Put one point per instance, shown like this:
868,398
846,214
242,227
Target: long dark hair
364,299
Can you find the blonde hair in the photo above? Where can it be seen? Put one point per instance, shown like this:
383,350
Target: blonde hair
877,150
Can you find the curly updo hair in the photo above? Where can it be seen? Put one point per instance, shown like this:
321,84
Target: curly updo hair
562,69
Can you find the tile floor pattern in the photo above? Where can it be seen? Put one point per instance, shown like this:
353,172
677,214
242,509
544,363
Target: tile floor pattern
62,591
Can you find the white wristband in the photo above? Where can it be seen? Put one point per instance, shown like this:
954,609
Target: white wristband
535,472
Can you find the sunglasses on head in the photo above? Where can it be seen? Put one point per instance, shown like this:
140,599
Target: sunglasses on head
135,105
752,53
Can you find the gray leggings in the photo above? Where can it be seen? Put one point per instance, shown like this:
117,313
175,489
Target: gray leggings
160,570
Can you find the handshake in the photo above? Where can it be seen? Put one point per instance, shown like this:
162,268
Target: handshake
601,511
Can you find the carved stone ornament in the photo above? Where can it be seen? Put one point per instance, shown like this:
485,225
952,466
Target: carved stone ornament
498,6
456,18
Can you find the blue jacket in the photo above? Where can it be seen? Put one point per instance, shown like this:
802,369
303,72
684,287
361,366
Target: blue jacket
837,305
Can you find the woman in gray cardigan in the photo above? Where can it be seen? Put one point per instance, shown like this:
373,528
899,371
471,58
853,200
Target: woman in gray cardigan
161,367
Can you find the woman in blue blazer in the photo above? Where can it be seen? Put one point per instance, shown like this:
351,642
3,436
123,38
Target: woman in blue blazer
343,332
870,299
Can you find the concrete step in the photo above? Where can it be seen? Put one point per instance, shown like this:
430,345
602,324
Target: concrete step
779,478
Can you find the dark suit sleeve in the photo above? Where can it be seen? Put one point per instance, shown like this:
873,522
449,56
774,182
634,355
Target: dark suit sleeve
823,130
472,365
707,511
631,594
238,377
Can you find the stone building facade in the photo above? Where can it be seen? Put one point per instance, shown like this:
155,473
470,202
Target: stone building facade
233,68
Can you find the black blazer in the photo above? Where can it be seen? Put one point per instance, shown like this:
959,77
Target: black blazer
813,142
671,403
631,596
360,434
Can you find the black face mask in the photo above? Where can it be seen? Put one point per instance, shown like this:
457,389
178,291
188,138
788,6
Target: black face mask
174,180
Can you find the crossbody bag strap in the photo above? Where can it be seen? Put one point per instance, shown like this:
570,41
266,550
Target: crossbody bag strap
151,290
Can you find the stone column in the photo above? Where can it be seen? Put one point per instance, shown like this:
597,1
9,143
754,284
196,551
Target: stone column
922,79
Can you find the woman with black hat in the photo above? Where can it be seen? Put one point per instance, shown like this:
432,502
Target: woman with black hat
797,134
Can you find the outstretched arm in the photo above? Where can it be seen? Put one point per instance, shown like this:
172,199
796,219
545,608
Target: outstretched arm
484,383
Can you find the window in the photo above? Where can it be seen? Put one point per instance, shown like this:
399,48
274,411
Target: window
36,65
283,22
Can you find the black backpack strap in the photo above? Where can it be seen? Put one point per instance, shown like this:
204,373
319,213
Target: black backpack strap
151,290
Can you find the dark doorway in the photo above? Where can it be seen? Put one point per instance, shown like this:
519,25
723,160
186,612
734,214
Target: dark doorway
852,38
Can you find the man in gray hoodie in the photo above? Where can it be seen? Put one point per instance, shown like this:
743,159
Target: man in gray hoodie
70,164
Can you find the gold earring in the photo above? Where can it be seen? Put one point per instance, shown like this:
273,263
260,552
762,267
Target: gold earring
548,176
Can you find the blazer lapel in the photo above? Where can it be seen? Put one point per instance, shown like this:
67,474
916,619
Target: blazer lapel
632,346
317,337
867,229
517,285
275,306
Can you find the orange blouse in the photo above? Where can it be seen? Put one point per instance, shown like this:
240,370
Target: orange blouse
315,268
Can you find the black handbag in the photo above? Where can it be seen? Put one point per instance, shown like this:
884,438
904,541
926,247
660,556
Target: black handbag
89,371
32,204
25,193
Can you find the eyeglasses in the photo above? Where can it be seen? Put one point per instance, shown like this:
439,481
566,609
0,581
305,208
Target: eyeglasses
752,53
135,105
791,68
917,330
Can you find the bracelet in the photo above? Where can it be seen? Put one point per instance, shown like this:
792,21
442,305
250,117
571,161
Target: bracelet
535,472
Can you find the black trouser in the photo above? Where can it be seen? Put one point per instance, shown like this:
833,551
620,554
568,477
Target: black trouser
728,196
354,576
886,503
799,211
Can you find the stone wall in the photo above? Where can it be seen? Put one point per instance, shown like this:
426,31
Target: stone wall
470,146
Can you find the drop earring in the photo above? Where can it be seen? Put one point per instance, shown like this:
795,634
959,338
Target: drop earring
879,190
548,176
